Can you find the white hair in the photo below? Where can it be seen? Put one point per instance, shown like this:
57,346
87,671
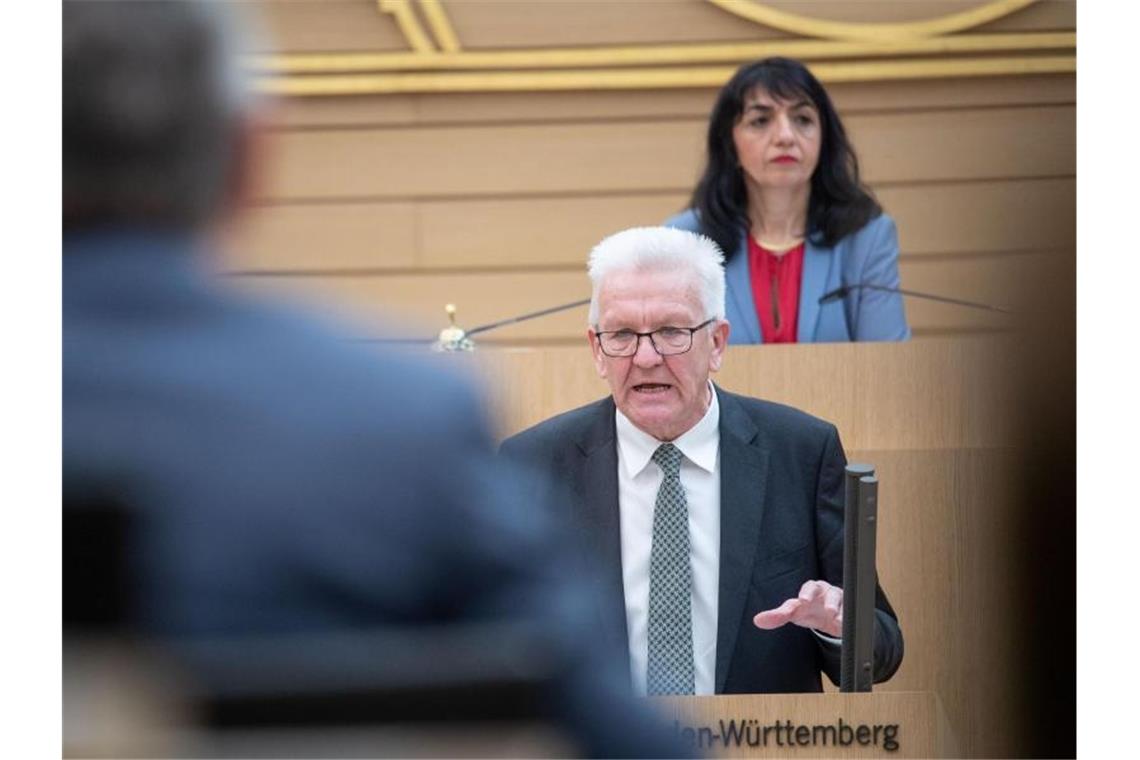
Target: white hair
660,249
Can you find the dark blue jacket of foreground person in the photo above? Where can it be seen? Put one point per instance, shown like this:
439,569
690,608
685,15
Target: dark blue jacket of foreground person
285,481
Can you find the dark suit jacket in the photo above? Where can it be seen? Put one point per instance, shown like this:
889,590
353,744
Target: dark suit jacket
287,481
781,525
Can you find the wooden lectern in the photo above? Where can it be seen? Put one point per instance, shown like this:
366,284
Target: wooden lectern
937,417
875,724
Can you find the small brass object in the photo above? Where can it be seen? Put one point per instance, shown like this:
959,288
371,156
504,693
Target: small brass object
453,337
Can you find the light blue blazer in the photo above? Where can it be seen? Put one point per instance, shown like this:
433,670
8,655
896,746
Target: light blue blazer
870,255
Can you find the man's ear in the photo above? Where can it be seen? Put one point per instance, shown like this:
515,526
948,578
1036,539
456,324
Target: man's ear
596,348
720,342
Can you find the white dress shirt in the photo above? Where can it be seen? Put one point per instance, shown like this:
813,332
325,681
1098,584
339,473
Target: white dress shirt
638,481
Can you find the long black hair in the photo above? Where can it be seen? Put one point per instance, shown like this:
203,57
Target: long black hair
840,204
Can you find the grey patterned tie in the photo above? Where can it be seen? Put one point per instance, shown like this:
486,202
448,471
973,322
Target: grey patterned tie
670,668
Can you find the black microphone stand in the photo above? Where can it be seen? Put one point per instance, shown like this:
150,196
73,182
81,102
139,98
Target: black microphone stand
455,338
841,292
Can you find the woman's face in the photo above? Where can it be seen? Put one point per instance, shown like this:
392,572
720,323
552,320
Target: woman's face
777,141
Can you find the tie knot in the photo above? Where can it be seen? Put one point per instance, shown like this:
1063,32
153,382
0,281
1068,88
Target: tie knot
668,458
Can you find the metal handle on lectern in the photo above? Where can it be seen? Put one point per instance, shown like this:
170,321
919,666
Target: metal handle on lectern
860,507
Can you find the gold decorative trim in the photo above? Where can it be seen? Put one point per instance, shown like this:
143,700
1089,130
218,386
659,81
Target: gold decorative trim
316,63
654,78
843,30
925,49
409,25
440,25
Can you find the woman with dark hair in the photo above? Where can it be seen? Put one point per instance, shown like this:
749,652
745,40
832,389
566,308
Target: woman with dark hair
781,196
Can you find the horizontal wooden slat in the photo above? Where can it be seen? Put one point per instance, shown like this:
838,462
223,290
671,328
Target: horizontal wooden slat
983,144
856,97
480,298
634,156
479,160
510,107
1004,280
534,233
983,217
326,237
955,218
999,280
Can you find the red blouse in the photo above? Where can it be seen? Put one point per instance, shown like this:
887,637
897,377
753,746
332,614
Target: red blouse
776,290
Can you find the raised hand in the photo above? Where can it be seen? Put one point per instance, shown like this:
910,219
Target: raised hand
819,606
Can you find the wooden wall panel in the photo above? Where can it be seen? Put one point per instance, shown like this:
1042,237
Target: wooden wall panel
983,217
490,107
1002,280
321,26
327,237
481,297
515,107
533,233
524,233
514,233
859,97
994,143
480,160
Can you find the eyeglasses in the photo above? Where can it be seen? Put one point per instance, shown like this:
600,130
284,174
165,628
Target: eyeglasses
666,341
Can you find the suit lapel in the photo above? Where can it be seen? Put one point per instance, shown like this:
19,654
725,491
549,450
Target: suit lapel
741,306
743,486
817,265
601,518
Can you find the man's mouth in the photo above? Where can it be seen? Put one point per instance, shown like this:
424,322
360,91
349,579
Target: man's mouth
651,388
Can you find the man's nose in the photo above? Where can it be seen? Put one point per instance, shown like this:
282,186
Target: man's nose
646,355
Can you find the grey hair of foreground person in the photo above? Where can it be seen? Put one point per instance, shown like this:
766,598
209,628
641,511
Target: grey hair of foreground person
155,112
656,249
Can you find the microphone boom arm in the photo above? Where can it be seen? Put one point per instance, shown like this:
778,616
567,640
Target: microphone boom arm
525,317
841,292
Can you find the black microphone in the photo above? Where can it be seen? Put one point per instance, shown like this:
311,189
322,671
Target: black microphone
455,338
527,317
841,292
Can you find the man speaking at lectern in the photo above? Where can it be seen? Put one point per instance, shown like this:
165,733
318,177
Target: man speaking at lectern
715,519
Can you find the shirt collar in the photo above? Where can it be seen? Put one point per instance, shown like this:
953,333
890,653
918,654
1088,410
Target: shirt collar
699,444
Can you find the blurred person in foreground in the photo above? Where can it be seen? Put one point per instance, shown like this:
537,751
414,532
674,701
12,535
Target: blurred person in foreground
717,518
280,480
781,196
